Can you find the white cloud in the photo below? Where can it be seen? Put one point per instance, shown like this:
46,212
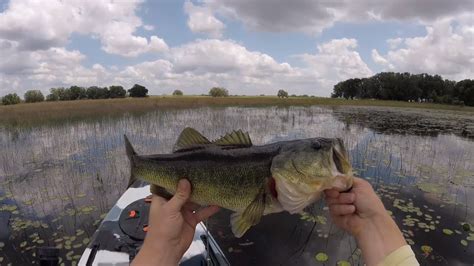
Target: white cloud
378,59
197,66
148,27
201,20
446,49
40,25
394,43
313,16
337,60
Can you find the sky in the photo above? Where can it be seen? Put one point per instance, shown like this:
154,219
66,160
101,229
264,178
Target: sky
248,47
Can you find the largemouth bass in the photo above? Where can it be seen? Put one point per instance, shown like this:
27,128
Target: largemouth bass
250,180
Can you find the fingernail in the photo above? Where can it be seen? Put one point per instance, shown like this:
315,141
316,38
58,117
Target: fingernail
183,184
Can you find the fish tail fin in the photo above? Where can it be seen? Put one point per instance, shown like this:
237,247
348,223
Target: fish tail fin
130,154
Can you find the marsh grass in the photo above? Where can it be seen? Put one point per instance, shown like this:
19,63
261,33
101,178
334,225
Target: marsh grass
51,112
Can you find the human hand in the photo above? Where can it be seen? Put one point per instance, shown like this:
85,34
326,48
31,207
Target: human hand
171,227
353,210
361,213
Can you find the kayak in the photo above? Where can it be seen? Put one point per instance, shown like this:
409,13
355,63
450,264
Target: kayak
120,235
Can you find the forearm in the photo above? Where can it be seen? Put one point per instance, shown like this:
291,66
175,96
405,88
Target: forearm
380,238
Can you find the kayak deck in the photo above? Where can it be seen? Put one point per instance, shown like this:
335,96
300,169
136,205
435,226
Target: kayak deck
120,235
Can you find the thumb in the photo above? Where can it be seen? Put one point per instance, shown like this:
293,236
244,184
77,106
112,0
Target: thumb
181,196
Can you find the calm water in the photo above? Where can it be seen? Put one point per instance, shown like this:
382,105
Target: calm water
57,182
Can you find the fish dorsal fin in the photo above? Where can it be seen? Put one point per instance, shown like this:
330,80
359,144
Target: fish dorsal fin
190,138
235,138
242,221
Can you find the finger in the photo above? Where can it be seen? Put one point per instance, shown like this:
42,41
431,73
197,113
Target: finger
191,206
331,193
157,200
341,209
206,212
181,196
344,198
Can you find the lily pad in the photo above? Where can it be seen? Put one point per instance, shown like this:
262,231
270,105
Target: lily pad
426,249
448,231
321,257
343,263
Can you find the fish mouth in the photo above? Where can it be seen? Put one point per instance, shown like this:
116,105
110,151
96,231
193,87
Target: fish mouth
336,157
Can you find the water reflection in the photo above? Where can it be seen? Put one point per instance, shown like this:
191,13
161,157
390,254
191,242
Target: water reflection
57,182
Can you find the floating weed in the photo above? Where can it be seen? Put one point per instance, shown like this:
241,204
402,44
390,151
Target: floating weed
85,241
431,188
2,245
23,244
321,257
464,242
28,202
313,218
81,195
448,231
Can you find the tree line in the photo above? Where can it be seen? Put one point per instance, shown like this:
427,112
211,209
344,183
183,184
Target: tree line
407,87
77,93
94,92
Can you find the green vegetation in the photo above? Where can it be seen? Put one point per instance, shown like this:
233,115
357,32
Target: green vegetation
282,94
218,92
117,92
177,93
45,112
138,91
407,87
33,96
11,99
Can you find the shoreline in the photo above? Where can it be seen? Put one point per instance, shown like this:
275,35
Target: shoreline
46,112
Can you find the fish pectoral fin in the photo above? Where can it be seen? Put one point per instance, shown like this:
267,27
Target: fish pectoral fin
242,221
190,139
160,191
235,139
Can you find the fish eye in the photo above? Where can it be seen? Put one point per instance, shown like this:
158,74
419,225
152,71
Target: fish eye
316,145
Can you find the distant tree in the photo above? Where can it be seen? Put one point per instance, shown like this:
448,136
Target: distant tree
138,91
293,95
33,96
53,95
60,94
77,93
407,87
282,94
95,92
218,92
117,92
464,91
10,99
177,93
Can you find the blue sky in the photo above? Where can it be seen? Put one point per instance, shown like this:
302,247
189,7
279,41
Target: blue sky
250,47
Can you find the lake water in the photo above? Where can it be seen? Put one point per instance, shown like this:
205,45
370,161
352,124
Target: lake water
58,181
